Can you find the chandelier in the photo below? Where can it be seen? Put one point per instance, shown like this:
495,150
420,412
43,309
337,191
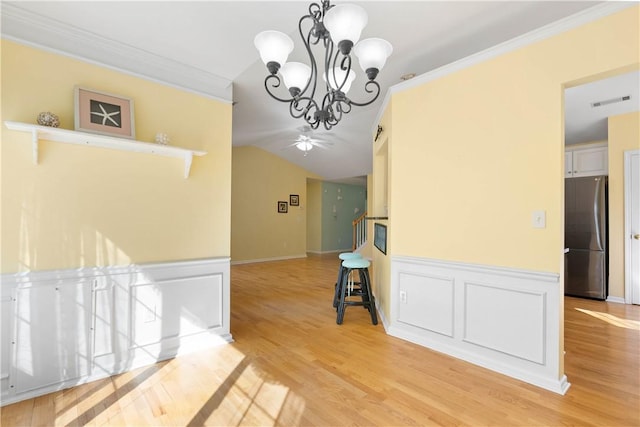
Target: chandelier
338,28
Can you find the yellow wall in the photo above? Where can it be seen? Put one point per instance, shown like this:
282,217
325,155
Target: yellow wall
380,205
476,152
84,206
258,232
624,134
366,249
314,215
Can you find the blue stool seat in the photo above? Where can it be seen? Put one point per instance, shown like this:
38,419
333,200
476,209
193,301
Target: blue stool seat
356,263
347,291
343,257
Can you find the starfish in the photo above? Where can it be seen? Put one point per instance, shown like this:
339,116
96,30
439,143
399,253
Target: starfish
106,116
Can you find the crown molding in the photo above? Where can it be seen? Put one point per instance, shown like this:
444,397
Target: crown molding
38,31
560,26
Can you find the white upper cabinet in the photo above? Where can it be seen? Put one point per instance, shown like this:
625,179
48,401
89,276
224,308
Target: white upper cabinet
589,161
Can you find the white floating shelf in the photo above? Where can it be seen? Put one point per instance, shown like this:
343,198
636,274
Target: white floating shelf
83,138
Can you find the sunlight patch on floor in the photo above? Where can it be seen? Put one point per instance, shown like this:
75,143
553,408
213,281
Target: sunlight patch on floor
253,399
612,320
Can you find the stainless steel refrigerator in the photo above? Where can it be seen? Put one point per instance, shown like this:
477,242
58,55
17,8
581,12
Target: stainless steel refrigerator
585,237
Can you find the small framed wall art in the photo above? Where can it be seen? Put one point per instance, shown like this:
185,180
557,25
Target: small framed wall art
294,200
103,113
380,237
283,207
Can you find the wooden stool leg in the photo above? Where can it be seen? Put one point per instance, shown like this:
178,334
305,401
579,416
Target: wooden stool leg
365,292
343,290
336,293
371,301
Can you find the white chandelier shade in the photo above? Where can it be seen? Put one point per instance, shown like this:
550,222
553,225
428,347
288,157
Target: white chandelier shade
295,75
345,22
274,46
373,53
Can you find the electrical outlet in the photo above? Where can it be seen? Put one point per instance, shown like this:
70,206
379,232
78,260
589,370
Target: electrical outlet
403,297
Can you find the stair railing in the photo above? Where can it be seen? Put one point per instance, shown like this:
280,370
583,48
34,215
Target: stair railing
359,231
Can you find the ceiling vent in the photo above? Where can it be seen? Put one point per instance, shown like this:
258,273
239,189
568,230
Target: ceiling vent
611,101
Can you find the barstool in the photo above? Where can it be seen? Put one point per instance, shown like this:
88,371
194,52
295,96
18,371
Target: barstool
360,265
343,256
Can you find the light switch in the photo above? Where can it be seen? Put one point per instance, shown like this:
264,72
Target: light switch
538,219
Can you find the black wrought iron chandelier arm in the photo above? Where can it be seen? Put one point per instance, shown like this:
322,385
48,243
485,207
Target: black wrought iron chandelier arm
306,108
296,110
345,106
314,67
316,11
332,109
275,84
366,88
332,121
345,65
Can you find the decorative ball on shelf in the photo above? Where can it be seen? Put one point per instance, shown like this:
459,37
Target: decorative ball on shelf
162,138
47,118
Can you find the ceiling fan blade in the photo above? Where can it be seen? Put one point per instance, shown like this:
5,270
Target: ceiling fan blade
304,128
294,144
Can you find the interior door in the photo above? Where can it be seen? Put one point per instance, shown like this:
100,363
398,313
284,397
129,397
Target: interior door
632,225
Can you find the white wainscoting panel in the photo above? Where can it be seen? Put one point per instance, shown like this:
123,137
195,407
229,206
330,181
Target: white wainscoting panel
5,338
506,320
427,294
67,327
103,318
51,334
164,312
487,307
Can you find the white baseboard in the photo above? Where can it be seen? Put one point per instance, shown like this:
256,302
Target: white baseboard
139,362
503,319
383,318
280,258
617,300
336,251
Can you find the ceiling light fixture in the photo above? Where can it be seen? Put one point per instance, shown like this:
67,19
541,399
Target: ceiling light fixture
304,145
338,28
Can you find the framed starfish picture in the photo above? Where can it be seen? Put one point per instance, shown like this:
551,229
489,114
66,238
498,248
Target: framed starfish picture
103,113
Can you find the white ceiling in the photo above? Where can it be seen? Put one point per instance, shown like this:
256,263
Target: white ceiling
584,123
207,47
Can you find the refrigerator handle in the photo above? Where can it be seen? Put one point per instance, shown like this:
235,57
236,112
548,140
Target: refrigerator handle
597,212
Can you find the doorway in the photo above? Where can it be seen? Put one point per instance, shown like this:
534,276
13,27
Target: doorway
599,127
632,225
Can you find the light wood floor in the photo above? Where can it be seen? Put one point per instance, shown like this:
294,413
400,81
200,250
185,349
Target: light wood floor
291,364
